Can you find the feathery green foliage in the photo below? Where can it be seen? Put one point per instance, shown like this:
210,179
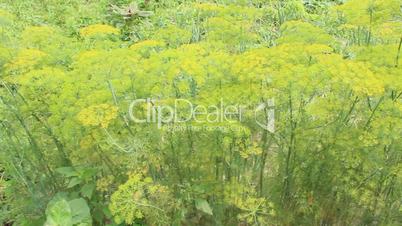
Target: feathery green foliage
71,155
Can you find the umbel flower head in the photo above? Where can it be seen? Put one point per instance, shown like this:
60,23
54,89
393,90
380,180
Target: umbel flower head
141,198
98,29
25,60
98,115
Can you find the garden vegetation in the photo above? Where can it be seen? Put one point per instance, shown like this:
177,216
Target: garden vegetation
71,155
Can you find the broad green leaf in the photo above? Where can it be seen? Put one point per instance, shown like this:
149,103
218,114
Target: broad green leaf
67,171
74,181
58,213
61,212
203,205
81,214
87,190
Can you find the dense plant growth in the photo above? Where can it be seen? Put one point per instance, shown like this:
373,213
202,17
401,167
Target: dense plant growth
70,154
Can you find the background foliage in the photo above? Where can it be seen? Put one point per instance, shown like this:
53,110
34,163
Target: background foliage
69,155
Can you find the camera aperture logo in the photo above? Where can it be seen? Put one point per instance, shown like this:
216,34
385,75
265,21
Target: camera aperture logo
180,111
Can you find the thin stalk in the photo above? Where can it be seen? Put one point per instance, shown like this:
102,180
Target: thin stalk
399,52
373,112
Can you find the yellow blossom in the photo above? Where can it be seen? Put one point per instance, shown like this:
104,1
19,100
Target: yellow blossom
104,183
98,29
25,60
145,47
98,115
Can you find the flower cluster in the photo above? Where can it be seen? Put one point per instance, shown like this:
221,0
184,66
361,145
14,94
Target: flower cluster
335,78
141,198
26,60
98,29
98,115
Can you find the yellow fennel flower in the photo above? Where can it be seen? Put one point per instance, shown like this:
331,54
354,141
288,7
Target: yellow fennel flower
144,48
26,60
98,29
98,115
147,43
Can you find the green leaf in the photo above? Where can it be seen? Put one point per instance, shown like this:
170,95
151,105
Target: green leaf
58,212
87,173
203,205
67,171
87,190
81,212
74,181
